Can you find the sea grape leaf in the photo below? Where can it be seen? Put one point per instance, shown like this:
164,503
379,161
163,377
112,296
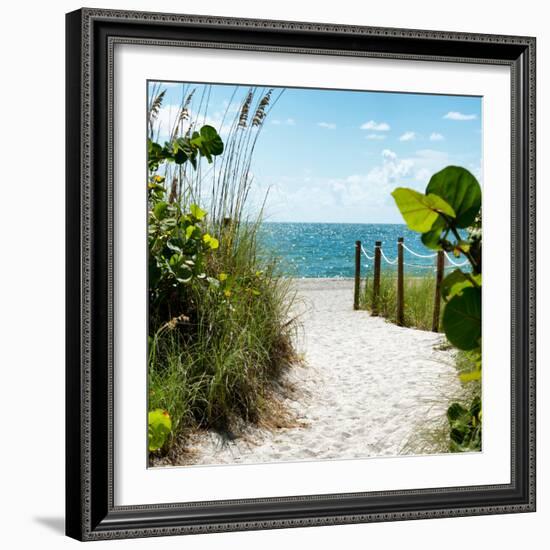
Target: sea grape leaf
179,268
465,427
455,411
420,211
460,189
212,242
469,376
190,230
175,245
160,426
154,155
208,142
462,319
180,157
212,140
430,239
456,281
197,212
160,209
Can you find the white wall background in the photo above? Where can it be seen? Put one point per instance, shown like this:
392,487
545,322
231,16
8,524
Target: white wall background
32,271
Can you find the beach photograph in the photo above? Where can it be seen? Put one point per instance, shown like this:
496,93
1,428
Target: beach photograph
314,274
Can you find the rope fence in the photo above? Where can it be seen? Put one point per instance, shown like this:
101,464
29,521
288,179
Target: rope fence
417,254
365,254
388,261
465,262
440,259
451,260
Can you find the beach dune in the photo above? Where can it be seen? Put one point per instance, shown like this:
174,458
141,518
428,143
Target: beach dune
364,389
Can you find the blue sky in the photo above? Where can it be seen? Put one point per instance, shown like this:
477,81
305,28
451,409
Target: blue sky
335,156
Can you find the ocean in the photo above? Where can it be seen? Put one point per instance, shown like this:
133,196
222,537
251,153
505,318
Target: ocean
328,249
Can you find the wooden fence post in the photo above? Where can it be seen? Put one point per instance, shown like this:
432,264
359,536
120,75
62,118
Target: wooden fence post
400,314
376,278
440,270
357,274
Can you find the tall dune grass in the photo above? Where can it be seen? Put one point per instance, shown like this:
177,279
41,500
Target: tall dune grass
212,362
419,299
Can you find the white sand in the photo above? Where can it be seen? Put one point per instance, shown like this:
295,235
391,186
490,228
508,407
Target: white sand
364,387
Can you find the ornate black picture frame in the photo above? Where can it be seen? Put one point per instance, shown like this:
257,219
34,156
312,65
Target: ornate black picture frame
90,510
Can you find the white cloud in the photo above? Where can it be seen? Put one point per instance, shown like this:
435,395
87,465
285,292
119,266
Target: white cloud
353,197
327,125
435,136
376,126
455,115
407,136
376,136
356,197
290,122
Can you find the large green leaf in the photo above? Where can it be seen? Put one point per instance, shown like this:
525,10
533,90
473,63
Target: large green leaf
462,319
210,241
456,281
455,411
160,209
431,238
465,427
212,140
154,154
459,188
420,211
197,212
191,230
208,142
182,150
160,426
180,157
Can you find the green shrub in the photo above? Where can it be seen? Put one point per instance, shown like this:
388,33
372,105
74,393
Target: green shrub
465,426
452,201
214,365
220,329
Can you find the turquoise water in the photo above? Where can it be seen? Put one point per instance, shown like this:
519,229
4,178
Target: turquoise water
328,249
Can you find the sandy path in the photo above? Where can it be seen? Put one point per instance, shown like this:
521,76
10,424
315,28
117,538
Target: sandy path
363,389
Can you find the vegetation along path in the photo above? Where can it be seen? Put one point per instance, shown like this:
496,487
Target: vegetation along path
365,388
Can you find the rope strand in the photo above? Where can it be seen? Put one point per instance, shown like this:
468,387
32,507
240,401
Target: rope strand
417,254
391,262
365,253
427,256
454,263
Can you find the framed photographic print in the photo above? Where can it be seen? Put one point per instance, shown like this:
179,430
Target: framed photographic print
300,274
